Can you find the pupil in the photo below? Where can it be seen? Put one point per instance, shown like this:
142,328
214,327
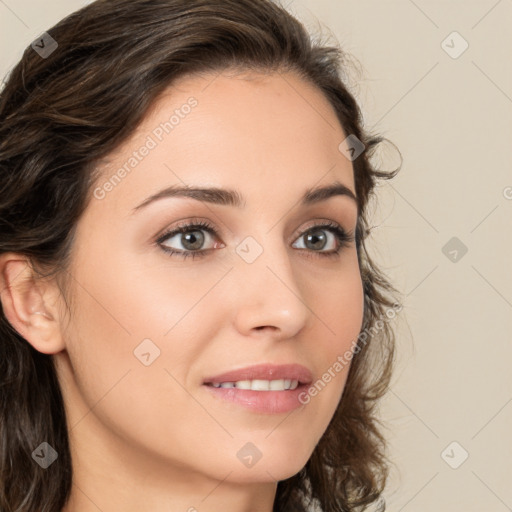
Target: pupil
316,236
191,240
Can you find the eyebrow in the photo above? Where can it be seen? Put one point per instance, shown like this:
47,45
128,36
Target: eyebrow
229,197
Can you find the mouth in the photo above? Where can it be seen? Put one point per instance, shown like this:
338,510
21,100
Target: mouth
258,384
263,377
262,388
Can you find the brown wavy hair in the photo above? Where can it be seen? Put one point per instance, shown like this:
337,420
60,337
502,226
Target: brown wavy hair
62,113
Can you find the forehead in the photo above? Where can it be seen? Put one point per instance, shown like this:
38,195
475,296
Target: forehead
247,130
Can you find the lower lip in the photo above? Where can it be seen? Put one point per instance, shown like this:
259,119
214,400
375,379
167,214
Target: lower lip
268,402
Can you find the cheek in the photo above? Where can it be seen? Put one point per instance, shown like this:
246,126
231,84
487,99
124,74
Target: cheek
127,315
338,306
337,303
147,405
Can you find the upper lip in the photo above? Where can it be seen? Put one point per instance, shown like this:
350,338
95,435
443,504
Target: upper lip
264,372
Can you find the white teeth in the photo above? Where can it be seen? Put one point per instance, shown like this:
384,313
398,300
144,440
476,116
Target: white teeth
277,385
243,384
260,385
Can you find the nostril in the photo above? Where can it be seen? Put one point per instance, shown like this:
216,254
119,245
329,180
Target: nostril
261,327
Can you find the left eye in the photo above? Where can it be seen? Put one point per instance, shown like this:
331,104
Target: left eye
317,239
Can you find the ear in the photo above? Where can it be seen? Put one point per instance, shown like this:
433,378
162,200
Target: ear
30,305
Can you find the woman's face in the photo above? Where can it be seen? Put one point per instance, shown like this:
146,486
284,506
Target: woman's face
152,332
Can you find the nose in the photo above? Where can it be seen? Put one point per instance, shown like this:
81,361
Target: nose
269,298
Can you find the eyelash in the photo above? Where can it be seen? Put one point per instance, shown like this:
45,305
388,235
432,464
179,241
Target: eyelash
343,238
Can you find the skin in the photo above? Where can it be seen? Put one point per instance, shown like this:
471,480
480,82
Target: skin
151,437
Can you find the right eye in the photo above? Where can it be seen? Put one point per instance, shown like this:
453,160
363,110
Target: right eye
191,237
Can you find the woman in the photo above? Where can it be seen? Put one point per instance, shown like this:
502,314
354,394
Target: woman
190,319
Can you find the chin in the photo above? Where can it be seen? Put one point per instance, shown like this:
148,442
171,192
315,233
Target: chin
273,467
262,474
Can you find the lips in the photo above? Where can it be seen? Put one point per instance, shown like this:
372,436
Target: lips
264,372
262,389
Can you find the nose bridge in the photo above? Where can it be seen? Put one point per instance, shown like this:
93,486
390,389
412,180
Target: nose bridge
268,294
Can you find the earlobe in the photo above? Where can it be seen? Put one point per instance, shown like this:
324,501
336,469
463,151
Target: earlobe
28,304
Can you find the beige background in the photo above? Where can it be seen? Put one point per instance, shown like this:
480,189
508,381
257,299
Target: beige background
451,118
